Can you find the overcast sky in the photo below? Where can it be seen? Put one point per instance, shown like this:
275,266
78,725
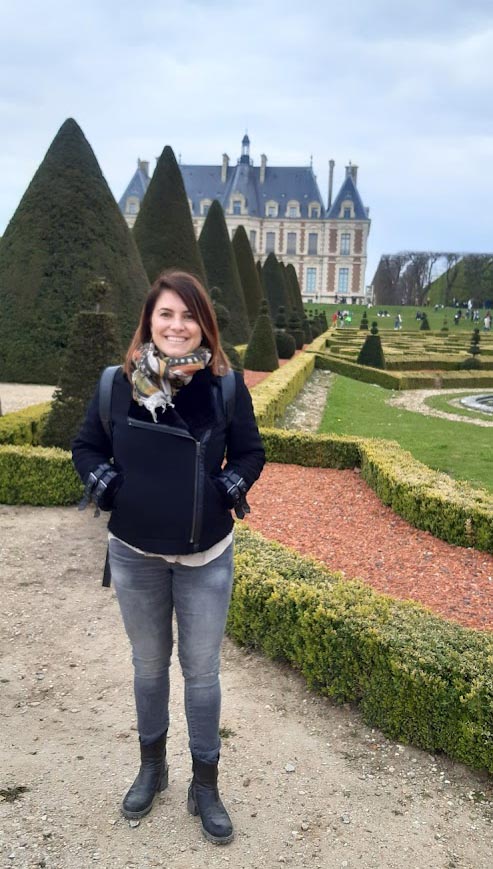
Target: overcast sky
404,90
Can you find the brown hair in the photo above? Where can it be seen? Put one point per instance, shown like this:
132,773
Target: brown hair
195,297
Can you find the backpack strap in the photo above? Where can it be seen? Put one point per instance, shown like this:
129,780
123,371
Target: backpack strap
105,393
228,391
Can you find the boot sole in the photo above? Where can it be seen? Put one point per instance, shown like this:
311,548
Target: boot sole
163,784
216,840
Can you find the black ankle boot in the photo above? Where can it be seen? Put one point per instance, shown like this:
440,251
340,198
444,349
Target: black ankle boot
204,800
152,777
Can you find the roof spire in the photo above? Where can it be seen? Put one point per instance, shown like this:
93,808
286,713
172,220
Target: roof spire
245,149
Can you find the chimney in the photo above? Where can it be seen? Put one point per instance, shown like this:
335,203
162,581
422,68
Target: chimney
224,168
263,164
331,182
144,165
352,172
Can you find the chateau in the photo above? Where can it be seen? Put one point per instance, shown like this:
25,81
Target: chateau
283,212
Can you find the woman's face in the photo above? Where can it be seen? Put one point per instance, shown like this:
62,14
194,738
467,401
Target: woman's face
173,329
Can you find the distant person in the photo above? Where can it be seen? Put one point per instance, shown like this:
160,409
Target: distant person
180,459
487,322
398,322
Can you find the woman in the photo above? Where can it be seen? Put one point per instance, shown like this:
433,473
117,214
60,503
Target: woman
170,530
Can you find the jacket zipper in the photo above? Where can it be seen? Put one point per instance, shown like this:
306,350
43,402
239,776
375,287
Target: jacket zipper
195,493
196,514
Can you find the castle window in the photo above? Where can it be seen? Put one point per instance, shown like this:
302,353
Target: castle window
271,209
345,244
204,206
313,243
311,280
132,205
343,281
253,240
346,212
314,210
270,242
293,209
291,243
236,206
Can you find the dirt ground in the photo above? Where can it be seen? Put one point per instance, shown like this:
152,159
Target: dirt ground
307,783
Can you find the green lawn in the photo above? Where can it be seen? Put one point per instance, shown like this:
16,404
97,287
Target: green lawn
444,402
408,314
463,451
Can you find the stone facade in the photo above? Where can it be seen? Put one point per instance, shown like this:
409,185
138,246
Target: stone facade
282,211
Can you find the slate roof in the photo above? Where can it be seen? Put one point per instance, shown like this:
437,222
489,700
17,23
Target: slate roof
281,184
137,187
348,191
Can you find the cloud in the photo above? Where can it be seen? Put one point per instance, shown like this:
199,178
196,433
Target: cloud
402,90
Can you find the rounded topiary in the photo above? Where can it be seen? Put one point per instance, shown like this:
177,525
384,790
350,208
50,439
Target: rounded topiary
222,314
233,356
364,322
305,325
371,353
425,326
81,368
285,343
281,319
314,327
261,352
294,329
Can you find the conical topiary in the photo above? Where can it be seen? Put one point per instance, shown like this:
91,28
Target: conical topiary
222,271
261,353
314,325
364,322
425,326
92,344
371,352
163,229
253,291
274,286
66,231
292,277
472,361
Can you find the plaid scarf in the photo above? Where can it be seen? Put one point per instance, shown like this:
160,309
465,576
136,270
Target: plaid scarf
156,378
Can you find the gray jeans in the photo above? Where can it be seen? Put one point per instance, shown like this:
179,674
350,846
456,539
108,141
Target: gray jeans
148,590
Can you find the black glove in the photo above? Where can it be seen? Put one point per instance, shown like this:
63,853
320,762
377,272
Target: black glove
234,489
101,488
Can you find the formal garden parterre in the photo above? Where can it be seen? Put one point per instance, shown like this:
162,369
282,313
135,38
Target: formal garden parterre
416,676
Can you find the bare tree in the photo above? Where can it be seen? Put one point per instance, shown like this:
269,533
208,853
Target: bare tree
387,279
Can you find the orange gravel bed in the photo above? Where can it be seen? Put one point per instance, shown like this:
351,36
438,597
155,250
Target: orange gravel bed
335,517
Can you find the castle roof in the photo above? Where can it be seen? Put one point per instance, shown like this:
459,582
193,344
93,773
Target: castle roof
347,192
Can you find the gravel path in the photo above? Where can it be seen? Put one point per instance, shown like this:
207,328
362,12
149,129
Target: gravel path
308,784
415,399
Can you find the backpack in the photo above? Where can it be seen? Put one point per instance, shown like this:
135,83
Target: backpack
226,387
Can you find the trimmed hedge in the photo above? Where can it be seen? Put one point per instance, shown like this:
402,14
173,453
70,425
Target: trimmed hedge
417,677
42,476
401,380
24,426
272,396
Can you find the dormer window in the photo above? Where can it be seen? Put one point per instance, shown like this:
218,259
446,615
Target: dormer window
237,204
293,209
271,209
132,205
347,211
314,210
205,204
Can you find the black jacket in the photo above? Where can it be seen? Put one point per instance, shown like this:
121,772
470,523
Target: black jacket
168,502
